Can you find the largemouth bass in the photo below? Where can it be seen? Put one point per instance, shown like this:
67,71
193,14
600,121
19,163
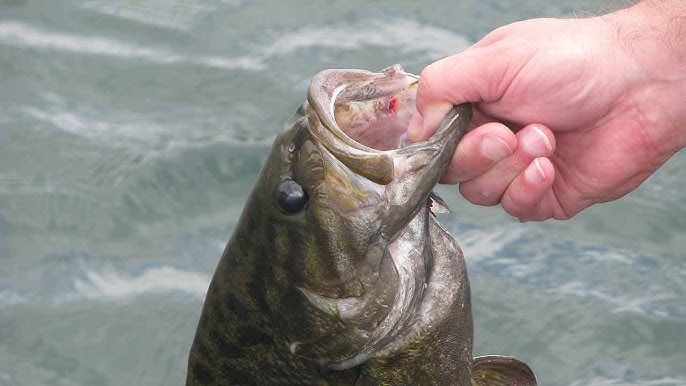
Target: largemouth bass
338,272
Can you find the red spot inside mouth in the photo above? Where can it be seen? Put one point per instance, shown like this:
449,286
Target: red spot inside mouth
393,105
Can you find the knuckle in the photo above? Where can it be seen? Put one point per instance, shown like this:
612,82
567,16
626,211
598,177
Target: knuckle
456,171
426,89
525,207
519,206
472,193
432,83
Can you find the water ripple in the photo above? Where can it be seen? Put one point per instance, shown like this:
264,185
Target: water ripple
407,35
113,285
138,133
124,134
175,14
667,381
21,35
625,281
8,298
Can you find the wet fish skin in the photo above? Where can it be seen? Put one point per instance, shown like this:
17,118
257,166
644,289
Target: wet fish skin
361,285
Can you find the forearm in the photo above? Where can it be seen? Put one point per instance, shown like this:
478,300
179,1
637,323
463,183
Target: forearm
652,37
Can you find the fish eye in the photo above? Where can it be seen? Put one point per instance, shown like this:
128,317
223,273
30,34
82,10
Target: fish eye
291,196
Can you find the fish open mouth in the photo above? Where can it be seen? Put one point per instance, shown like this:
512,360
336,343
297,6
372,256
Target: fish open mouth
377,113
363,110
362,117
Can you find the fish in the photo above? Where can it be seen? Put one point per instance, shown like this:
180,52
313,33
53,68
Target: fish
338,272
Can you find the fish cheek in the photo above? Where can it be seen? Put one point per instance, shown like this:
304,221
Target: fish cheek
326,246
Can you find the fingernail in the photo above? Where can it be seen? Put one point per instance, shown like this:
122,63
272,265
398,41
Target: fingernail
414,129
494,147
534,173
537,143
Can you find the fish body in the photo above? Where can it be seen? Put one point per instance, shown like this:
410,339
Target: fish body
338,272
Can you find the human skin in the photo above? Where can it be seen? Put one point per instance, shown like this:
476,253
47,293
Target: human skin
568,113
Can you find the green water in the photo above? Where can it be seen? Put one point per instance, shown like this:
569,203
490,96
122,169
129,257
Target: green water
131,132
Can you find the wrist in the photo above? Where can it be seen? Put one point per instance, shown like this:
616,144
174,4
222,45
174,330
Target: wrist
650,39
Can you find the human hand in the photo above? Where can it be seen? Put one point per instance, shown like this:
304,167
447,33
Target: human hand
593,118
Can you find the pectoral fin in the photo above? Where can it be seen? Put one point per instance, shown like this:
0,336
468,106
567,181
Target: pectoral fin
437,204
497,370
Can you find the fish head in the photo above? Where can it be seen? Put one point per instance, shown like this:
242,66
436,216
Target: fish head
341,183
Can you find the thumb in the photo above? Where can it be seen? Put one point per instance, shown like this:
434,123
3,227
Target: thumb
475,75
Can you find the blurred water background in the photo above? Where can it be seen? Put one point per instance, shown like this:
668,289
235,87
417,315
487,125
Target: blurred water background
131,132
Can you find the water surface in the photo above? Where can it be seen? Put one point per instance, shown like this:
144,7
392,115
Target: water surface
131,132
